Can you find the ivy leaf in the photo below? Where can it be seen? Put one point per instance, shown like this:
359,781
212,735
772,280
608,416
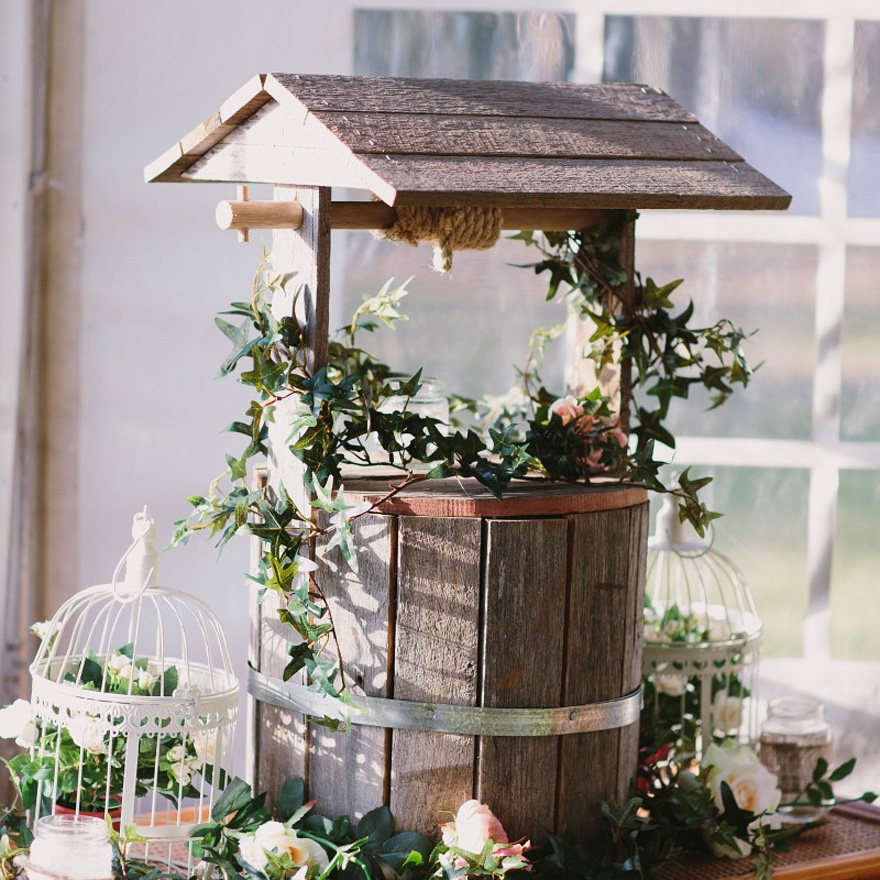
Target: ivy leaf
376,827
235,796
291,798
241,343
409,849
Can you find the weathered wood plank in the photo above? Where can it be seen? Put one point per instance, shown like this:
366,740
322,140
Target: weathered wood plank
596,183
633,637
523,625
605,594
436,656
398,133
458,135
466,497
281,733
481,98
347,771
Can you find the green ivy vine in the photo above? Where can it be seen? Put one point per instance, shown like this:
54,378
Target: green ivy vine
337,419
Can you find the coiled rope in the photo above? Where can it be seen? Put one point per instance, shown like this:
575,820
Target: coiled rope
453,229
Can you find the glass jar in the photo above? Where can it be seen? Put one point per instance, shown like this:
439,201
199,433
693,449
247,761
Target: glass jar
74,846
794,736
430,402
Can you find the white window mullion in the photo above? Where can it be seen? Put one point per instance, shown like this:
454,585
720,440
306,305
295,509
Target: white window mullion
830,285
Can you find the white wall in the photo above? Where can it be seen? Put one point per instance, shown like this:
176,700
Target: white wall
156,269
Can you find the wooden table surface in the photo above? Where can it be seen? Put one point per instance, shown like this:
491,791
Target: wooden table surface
846,847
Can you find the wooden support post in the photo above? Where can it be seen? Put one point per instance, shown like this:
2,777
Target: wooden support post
615,381
302,257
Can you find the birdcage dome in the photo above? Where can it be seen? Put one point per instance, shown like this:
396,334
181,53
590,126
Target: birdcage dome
702,640
135,700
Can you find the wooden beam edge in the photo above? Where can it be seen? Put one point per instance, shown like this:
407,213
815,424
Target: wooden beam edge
243,103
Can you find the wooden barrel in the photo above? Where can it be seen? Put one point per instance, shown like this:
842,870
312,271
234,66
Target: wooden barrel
460,600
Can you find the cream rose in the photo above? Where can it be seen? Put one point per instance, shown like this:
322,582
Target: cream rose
45,630
205,746
753,786
87,734
670,683
274,837
117,663
145,680
726,712
16,722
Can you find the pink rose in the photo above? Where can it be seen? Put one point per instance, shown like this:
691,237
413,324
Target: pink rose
584,425
616,431
474,825
567,408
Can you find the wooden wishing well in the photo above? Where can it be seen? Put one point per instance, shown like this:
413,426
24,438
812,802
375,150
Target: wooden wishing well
495,645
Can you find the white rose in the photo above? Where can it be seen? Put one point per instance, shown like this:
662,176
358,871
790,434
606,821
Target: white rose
16,722
45,630
719,630
251,852
145,680
753,786
277,838
28,736
87,734
726,712
116,663
205,745
670,683
181,771
176,754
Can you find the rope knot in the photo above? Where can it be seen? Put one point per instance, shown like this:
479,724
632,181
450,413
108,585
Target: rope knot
453,229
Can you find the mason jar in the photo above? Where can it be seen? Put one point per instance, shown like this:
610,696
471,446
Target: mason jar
430,401
794,737
77,847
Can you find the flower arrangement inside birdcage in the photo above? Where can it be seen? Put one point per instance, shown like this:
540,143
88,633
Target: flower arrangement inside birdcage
701,650
133,704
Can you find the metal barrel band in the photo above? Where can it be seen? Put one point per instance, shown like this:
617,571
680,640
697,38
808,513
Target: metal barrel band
448,718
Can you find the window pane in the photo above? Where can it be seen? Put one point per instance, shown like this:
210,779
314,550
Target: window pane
864,178
736,77
469,328
855,599
464,45
768,288
763,531
860,405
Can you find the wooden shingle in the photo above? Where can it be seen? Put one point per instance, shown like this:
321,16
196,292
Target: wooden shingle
457,142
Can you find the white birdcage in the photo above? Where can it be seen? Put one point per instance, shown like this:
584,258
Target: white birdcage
702,643
135,702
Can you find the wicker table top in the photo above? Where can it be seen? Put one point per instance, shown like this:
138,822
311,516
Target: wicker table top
846,847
